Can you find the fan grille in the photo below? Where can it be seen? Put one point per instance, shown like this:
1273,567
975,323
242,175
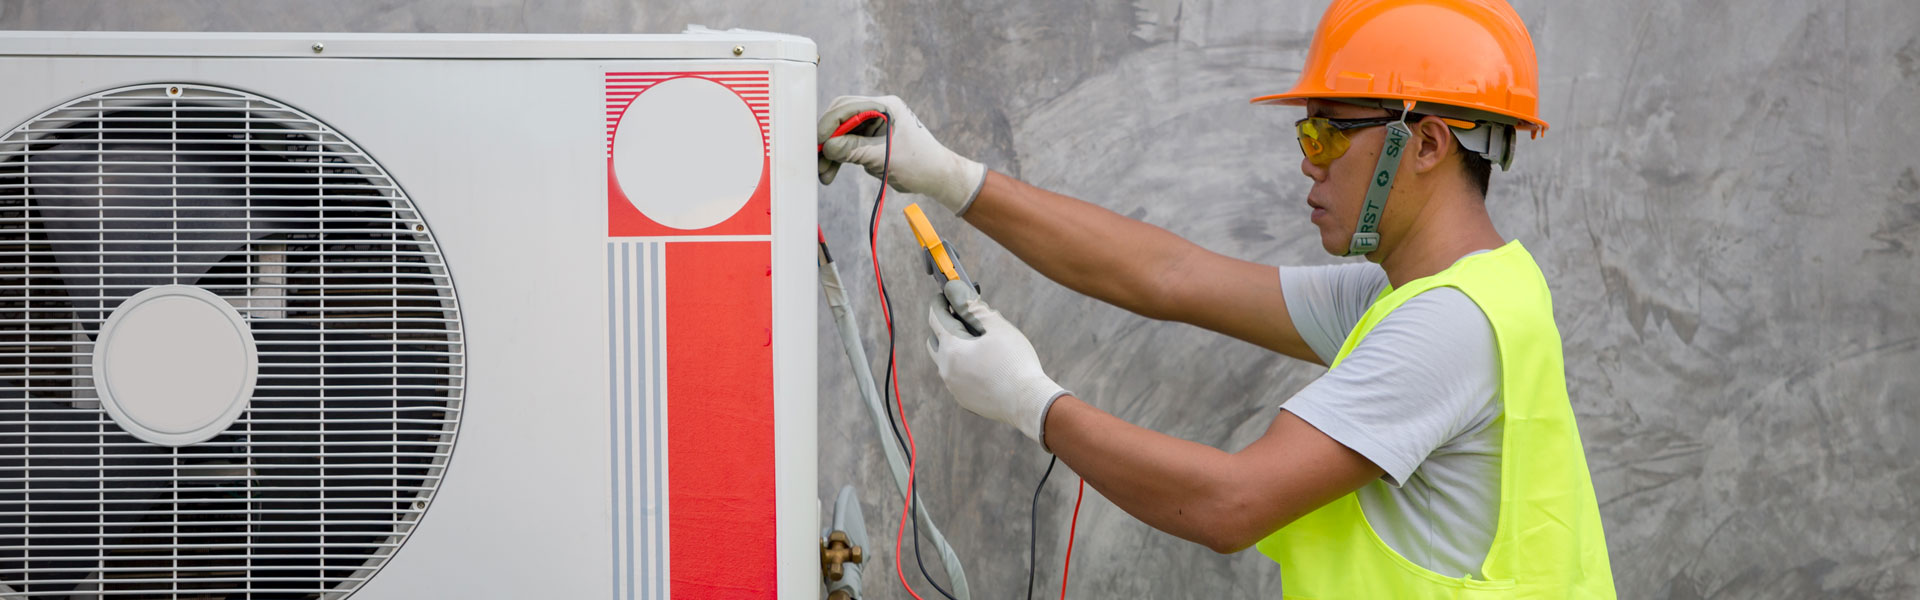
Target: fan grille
358,399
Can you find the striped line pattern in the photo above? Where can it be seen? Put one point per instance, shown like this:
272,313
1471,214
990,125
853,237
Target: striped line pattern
752,86
636,417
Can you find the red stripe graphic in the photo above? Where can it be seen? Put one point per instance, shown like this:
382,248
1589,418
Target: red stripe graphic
720,449
752,86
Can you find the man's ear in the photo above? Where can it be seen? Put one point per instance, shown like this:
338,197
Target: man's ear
1432,143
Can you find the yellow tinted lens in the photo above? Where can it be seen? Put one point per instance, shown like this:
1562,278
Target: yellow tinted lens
1309,146
1320,141
1307,132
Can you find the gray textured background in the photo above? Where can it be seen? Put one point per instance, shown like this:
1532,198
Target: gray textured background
1727,209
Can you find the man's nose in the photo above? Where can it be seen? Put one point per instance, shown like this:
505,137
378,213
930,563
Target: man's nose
1315,172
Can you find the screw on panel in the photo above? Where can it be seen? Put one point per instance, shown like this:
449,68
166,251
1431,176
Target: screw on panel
319,47
173,91
739,50
420,228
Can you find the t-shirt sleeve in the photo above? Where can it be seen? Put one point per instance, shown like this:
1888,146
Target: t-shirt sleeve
1326,302
1420,379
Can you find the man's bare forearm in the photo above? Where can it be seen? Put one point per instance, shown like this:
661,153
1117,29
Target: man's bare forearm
1171,484
1224,501
1084,247
1136,266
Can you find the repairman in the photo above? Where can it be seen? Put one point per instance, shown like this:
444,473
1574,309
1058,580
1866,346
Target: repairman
1438,456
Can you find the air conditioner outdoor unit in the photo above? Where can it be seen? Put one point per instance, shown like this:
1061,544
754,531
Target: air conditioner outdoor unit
407,316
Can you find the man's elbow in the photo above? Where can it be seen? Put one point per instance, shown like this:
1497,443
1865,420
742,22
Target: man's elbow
1234,528
1227,546
1234,540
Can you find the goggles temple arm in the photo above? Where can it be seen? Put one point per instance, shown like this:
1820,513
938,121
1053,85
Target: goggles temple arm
1500,137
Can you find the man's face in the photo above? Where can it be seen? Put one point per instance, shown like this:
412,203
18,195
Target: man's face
1340,188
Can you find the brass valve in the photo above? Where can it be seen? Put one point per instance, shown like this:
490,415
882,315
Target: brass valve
836,551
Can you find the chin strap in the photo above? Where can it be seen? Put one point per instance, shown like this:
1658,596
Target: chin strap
1366,236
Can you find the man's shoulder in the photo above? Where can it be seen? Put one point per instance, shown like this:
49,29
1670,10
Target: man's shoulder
1361,280
1445,312
1327,301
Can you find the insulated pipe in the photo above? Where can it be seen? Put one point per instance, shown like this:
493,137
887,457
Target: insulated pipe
850,521
837,303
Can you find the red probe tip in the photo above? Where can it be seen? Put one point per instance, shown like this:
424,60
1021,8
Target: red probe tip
852,123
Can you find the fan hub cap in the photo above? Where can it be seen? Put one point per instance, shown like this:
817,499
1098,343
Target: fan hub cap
175,365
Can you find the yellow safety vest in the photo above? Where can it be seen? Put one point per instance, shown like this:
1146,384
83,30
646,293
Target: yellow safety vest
1548,543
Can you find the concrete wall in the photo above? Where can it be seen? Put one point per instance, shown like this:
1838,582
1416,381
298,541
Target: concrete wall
1728,209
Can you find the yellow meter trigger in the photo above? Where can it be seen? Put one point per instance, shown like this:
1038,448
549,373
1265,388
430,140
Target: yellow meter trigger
936,249
943,263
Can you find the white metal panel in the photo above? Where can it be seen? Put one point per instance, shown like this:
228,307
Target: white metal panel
795,318
701,45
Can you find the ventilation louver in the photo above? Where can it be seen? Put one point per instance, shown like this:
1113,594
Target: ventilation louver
357,403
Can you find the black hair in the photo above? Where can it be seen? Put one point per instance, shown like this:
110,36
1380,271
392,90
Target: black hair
1479,170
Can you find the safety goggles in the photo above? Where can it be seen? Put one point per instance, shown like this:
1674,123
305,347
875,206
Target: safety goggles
1323,139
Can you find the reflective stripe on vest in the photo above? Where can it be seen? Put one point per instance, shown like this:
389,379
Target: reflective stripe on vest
1548,543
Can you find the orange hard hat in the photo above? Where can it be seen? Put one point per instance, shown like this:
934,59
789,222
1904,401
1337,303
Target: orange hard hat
1471,54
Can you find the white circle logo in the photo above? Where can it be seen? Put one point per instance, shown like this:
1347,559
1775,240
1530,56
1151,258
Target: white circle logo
688,153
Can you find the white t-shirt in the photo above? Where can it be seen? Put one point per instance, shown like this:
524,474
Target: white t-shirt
1420,398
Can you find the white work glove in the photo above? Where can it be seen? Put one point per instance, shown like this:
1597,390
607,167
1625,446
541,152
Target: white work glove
996,374
920,165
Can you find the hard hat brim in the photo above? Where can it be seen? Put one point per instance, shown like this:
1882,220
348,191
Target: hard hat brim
1522,122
